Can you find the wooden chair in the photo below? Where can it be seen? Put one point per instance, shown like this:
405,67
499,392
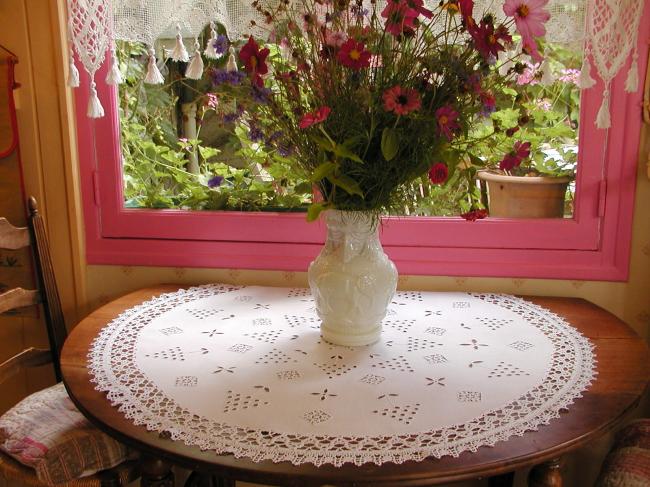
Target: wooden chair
12,238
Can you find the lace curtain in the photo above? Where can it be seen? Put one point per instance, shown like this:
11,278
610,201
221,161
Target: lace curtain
608,29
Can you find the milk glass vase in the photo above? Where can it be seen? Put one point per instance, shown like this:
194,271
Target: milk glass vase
352,280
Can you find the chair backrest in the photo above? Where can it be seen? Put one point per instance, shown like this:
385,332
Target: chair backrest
13,238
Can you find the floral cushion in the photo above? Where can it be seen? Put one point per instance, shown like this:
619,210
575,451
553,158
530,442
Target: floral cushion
47,433
628,464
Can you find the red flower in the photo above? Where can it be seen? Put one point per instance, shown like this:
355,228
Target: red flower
466,8
512,131
512,159
447,124
475,214
438,173
401,100
314,117
254,60
488,40
400,17
354,55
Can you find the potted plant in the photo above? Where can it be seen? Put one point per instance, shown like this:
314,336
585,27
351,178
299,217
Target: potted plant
521,187
538,137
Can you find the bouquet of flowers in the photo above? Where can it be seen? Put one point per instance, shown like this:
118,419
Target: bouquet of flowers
366,97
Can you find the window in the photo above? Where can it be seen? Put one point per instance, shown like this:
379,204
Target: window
593,244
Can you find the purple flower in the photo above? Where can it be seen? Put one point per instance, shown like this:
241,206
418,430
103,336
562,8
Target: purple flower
221,44
261,94
359,11
215,181
284,149
236,77
273,137
219,76
233,116
255,134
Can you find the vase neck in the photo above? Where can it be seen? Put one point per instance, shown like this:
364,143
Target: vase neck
352,233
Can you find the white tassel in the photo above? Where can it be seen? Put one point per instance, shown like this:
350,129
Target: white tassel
95,108
114,75
210,52
632,81
153,76
547,73
195,68
231,65
179,53
586,81
603,120
73,74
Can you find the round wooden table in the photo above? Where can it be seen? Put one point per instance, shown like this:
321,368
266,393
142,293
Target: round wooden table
623,372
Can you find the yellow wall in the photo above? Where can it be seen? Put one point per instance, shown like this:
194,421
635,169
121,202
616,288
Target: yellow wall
31,28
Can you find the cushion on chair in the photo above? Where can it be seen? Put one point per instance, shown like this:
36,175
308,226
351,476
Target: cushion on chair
47,433
18,474
628,463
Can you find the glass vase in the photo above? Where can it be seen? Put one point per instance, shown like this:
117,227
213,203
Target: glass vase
352,280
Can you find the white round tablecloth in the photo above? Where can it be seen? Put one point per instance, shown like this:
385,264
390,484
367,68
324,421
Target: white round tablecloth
243,370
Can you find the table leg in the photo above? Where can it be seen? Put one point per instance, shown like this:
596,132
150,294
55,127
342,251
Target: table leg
197,479
503,480
156,473
547,474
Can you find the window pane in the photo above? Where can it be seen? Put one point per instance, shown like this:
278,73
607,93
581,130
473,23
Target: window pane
182,148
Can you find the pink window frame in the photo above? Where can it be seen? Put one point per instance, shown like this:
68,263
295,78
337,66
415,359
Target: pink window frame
594,244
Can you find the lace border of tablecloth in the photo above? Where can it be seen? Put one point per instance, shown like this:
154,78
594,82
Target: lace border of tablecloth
571,373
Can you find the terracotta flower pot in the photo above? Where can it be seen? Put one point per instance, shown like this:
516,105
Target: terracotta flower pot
524,196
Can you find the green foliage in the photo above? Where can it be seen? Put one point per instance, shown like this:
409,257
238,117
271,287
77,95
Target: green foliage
155,160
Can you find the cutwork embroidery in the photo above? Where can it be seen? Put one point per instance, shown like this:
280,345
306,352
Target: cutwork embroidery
262,366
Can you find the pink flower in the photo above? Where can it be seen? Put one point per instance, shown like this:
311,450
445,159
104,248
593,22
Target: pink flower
530,47
354,55
399,17
335,38
211,100
401,100
528,76
314,117
438,173
514,158
570,76
418,6
447,124
529,16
